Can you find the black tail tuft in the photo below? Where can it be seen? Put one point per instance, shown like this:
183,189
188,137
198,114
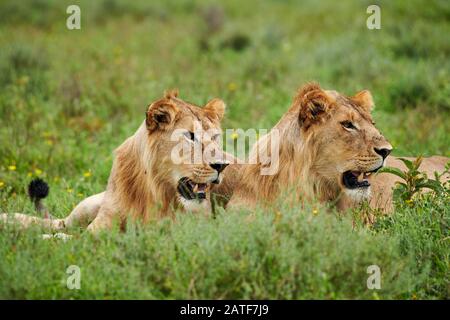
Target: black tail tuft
38,189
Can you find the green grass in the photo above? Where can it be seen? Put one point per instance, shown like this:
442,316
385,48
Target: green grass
68,98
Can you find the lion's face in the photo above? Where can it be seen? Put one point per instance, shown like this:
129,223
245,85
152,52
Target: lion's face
186,141
348,146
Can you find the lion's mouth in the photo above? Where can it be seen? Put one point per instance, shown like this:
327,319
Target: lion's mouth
191,190
357,179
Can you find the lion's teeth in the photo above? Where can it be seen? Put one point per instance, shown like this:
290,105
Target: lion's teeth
195,188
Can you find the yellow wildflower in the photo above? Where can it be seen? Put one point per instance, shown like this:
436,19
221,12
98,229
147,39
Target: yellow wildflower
315,211
12,168
46,134
232,86
277,216
234,135
30,174
87,174
1,184
69,190
38,171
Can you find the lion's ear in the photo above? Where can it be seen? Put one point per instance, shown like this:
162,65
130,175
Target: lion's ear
160,115
312,103
215,109
364,99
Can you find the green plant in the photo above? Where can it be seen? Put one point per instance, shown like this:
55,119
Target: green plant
414,180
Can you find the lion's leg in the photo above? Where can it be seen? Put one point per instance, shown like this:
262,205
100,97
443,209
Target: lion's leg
85,212
104,219
81,216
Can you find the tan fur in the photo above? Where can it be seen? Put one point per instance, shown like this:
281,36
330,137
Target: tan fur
143,180
314,152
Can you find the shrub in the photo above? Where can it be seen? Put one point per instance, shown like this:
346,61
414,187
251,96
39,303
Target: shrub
292,254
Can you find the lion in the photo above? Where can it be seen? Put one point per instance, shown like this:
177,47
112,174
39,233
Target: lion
145,182
329,149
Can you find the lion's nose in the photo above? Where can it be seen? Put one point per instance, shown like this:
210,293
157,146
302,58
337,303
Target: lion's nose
218,166
384,152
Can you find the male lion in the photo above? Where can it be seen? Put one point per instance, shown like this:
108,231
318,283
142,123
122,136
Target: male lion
145,182
329,149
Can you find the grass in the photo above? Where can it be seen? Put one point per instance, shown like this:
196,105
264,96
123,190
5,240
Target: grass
68,98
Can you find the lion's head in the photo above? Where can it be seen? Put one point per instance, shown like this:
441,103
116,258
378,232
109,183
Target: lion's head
344,143
186,141
328,144
174,157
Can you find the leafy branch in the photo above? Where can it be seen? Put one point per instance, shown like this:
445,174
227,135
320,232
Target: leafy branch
414,180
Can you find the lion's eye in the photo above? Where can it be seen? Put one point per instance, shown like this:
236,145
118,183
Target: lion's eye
348,125
190,135
216,137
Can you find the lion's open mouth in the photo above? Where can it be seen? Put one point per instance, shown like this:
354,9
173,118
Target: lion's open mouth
357,179
191,190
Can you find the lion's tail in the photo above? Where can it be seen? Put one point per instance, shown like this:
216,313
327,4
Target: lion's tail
38,190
